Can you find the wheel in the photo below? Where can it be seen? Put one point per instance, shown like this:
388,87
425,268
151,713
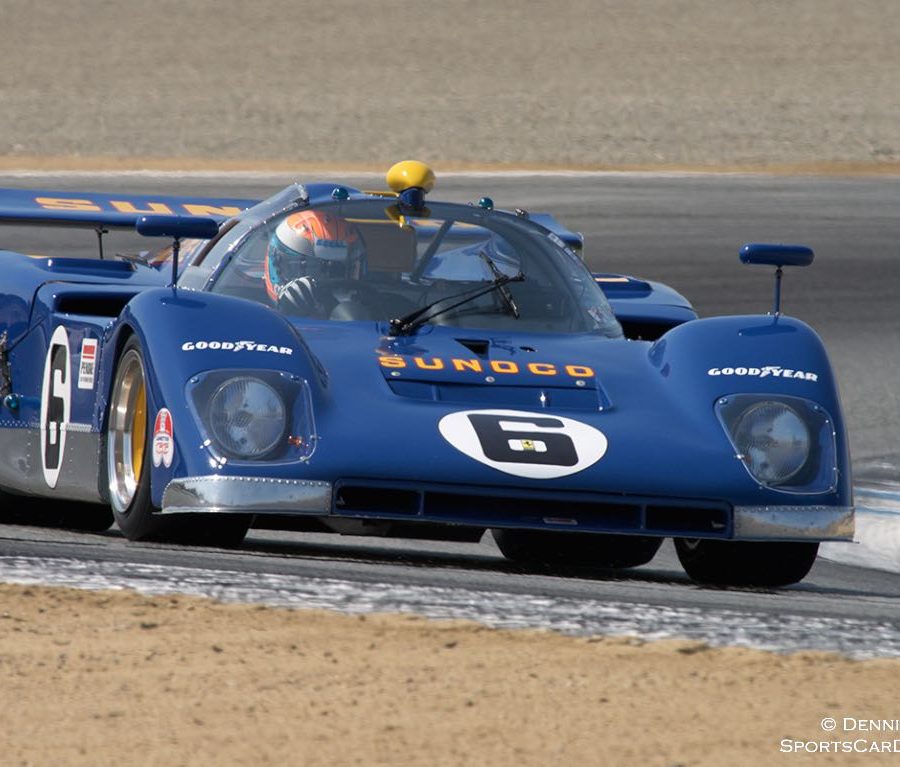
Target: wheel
127,437
583,549
128,469
743,563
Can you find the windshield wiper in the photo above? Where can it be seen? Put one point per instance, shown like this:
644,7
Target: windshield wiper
502,289
409,322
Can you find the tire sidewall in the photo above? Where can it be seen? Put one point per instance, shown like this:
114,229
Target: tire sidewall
137,520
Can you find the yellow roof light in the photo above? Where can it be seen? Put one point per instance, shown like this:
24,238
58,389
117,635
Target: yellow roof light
410,174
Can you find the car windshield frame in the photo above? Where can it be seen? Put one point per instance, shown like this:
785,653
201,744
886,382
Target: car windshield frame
417,258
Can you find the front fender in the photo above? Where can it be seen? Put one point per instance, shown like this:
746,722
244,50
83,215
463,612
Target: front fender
184,334
709,359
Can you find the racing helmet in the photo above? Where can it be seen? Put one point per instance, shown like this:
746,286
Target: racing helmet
315,245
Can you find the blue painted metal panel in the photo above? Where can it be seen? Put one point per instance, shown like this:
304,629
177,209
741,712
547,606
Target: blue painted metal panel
116,211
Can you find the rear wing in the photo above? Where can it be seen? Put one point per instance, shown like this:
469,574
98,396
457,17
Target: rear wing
107,211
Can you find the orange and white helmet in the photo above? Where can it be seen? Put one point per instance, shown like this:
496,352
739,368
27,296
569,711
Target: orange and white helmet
315,245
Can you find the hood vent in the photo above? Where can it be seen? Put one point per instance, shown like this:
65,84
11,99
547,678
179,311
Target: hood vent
531,397
477,346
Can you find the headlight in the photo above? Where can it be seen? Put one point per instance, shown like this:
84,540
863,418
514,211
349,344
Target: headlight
773,441
786,443
247,417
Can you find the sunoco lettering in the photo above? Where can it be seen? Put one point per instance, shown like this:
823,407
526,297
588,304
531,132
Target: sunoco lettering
151,207
60,203
234,346
503,367
125,206
473,365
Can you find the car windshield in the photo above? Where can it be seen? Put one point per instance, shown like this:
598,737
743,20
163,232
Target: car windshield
453,265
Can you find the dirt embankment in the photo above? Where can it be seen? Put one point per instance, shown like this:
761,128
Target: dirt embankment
585,83
113,678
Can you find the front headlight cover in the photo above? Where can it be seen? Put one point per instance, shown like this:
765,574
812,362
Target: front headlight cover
774,441
250,415
785,443
247,417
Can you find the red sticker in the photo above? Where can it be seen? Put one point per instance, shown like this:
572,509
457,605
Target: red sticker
88,363
163,439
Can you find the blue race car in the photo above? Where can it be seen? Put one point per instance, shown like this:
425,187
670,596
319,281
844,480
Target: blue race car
382,363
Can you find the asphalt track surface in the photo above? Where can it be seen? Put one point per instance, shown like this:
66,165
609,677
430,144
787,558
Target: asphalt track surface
684,230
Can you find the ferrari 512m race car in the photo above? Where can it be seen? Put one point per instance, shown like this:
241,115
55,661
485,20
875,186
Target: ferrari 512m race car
378,362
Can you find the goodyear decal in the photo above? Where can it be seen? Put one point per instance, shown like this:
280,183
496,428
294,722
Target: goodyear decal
396,362
775,371
235,346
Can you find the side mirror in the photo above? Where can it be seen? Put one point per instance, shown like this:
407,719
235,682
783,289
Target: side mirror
776,255
176,227
779,256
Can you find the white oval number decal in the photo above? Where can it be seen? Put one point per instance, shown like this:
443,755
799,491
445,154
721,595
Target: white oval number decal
56,403
533,445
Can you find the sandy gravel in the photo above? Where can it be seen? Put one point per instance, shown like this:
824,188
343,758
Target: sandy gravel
591,83
114,678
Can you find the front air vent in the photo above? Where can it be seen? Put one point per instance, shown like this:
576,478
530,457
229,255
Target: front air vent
92,304
484,507
383,501
645,330
530,397
683,520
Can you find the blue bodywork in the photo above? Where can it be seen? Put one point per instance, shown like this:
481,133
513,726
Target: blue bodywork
372,434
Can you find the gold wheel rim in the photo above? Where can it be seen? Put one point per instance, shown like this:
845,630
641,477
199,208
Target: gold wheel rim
126,436
139,431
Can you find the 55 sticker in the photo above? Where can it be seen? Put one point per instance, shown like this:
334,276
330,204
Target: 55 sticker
163,439
532,445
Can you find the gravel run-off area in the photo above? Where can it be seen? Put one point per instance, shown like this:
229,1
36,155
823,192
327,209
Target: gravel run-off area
798,84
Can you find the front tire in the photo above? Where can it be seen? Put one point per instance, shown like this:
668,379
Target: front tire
742,563
127,438
602,550
128,444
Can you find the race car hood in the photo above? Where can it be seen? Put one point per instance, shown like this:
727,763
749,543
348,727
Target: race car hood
451,365
397,401
437,406
459,365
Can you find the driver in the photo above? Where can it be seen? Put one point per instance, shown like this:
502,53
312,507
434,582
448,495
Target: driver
307,251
